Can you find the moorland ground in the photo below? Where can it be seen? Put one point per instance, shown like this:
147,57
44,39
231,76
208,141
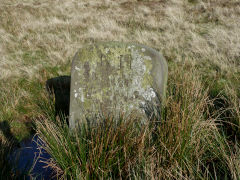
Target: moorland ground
200,40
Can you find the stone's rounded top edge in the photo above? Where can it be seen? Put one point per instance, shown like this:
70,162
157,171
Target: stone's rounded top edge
107,44
119,43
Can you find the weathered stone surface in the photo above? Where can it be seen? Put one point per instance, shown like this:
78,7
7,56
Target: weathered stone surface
116,77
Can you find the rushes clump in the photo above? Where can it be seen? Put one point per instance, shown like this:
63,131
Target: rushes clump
186,144
112,148
190,144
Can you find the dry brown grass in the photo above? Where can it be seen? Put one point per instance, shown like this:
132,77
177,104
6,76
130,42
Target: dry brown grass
50,32
39,38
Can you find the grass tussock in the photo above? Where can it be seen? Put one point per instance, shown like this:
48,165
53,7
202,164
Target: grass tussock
108,150
186,143
39,39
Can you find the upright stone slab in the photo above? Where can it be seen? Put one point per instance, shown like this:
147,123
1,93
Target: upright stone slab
115,77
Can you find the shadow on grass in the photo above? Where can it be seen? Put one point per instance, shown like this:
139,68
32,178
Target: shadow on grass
5,129
6,147
21,160
58,89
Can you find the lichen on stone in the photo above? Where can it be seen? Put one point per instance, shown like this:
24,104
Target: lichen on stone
111,77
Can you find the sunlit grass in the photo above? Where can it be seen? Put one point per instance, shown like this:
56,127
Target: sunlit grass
200,40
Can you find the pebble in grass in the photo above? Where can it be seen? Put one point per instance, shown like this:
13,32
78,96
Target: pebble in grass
114,77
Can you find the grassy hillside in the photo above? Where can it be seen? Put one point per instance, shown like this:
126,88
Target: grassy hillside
199,38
